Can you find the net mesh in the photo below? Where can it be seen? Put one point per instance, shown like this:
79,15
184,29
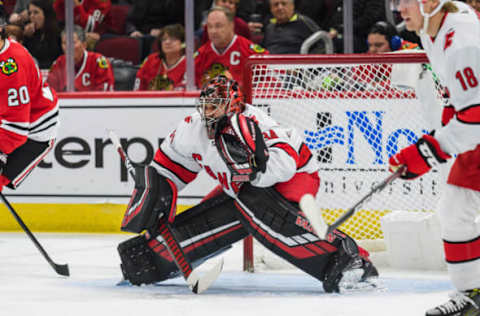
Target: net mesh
354,115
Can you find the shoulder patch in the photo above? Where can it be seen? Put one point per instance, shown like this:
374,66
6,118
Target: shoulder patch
257,48
188,119
102,62
8,66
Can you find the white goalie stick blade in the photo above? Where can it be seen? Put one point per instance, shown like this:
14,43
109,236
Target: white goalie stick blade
310,208
198,284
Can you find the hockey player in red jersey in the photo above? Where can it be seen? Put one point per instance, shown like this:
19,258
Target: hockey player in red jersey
28,115
93,71
262,169
226,52
450,35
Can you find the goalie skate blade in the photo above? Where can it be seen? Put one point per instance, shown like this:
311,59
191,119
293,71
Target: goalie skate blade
309,207
198,284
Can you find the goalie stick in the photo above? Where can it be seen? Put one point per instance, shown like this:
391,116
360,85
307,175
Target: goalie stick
310,208
61,269
197,283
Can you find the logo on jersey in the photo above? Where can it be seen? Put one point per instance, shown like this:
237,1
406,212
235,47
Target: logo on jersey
9,66
448,39
102,62
215,70
161,82
257,48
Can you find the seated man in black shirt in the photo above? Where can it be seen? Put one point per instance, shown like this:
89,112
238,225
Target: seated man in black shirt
287,29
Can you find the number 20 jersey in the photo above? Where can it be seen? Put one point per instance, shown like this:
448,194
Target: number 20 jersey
28,107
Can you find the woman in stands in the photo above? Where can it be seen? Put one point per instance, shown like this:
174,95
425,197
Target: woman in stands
165,69
41,34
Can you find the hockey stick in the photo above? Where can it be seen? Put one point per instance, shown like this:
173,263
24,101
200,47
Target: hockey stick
61,269
310,208
196,283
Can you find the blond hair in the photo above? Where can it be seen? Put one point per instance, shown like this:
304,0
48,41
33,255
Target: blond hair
450,7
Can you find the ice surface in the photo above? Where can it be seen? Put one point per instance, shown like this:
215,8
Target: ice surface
29,286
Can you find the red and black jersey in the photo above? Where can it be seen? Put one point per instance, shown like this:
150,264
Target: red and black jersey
94,73
154,74
88,15
209,62
29,108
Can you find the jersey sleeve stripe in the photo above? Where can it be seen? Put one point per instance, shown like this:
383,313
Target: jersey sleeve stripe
304,157
289,150
177,169
469,115
44,120
17,128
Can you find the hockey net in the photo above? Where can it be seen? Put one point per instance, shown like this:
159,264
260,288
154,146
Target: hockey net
354,112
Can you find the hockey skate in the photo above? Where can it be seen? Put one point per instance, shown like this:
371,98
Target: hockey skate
461,304
348,269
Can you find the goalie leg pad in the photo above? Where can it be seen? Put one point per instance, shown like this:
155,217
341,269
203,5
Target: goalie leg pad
204,231
277,224
154,197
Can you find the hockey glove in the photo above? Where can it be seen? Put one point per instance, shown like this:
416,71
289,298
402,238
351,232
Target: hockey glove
419,158
3,162
240,143
154,197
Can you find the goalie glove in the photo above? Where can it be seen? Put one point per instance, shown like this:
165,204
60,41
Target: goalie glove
419,157
240,143
3,162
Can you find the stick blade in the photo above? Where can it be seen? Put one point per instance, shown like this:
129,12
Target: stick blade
198,283
62,269
309,207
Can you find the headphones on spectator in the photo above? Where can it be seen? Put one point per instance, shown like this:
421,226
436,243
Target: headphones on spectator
390,32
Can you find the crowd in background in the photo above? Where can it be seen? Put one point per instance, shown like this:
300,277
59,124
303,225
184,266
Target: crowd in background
140,45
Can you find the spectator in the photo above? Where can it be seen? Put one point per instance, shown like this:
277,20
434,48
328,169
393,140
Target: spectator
383,38
240,26
474,4
287,29
14,32
226,52
148,17
19,15
165,70
89,14
92,70
365,14
41,34
319,11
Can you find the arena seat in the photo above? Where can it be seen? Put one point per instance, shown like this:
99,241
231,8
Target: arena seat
121,47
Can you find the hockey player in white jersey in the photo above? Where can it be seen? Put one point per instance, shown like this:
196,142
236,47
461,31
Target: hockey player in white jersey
450,35
262,169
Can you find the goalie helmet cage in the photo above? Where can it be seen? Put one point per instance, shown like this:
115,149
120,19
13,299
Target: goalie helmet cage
354,112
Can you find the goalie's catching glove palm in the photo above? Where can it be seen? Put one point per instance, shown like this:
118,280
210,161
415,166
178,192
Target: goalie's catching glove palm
240,143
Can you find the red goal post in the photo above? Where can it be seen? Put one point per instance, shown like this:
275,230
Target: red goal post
354,111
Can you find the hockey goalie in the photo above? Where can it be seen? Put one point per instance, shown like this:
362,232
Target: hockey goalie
263,170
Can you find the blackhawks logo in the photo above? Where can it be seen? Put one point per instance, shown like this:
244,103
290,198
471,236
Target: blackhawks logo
8,66
102,62
162,83
214,71
257,48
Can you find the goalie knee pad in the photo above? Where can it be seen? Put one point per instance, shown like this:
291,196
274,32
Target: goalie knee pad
154,196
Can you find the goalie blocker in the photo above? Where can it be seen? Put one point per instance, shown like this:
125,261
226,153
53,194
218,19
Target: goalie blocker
215,224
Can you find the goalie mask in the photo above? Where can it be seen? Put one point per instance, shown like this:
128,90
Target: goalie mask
218,97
